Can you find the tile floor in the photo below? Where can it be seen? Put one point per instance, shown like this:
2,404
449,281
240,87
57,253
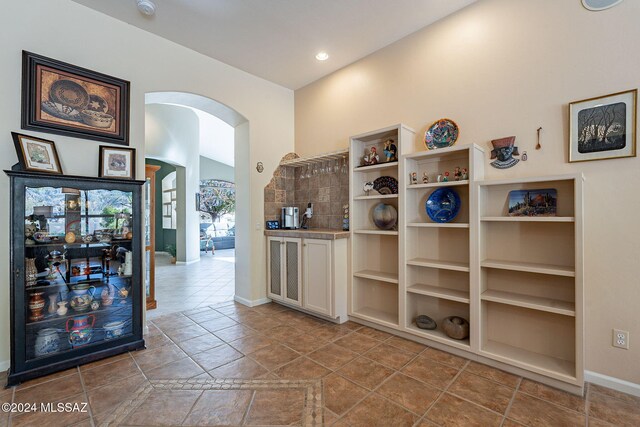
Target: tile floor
184,287
268,365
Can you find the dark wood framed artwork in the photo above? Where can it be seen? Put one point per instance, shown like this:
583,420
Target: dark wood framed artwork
36,154
117,162
67,100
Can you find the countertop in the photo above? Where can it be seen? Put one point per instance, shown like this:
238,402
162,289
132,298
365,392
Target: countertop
311,233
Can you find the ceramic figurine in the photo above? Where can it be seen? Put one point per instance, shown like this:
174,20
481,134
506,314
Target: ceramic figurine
29,231
368,186
47,341
425,178
366,159
62,308
80,332
457,173
503,151
446,177
413,178
374,159
95,304
36,304
465,174
390,150
524,156
439,178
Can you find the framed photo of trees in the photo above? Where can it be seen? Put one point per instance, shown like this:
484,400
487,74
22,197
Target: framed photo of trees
603,127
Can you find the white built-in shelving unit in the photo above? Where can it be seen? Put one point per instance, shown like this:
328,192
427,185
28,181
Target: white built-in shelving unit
518,280
438,256
530,281
375,259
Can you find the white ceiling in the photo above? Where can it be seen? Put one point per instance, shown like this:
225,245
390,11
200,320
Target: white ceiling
278,39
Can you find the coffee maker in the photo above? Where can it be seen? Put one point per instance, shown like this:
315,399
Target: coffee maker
289,217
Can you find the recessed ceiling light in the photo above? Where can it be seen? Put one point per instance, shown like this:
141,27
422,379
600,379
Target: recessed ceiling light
322,56
146,7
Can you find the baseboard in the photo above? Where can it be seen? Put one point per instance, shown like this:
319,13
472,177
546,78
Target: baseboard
613,383
4,365
250,303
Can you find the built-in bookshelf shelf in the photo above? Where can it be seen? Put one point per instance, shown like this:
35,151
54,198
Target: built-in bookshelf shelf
378,232
528,219
439,292
529,301
376,315
535,361
439,224
376,196
438,336
379,166
435,263
438,184
377,275
530,267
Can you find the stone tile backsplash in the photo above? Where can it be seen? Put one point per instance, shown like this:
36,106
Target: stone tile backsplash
328,192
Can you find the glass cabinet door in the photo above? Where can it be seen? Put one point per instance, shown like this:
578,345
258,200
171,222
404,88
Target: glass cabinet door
78,268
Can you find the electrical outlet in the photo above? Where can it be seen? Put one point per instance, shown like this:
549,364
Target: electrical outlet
621,339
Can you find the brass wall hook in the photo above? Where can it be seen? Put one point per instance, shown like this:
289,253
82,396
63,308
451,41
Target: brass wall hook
538,146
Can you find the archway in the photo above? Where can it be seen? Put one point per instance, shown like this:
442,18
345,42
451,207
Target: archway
175,155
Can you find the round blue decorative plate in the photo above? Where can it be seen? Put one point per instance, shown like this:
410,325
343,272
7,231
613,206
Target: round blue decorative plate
441,134
443,205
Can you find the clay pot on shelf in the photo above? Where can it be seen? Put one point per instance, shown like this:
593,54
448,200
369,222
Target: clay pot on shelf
81,331
456,327
47,341
36,304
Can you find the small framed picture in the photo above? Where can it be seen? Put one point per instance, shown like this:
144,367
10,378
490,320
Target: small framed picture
116,162
37,155
603,128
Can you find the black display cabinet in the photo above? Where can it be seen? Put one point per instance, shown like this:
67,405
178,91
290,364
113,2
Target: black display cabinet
76,263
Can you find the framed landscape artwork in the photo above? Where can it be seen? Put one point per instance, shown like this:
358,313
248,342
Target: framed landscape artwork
36,155
539,202
67,100
116,162
603,127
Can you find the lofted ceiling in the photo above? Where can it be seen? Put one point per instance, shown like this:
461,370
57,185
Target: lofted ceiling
278,39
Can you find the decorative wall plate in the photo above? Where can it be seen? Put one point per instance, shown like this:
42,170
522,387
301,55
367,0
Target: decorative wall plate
385,217
443,205
386,185
441,134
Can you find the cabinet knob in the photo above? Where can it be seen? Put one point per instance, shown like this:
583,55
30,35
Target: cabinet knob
304,244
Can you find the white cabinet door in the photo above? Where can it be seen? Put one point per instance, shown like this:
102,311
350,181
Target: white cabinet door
275,270
317,270
292,283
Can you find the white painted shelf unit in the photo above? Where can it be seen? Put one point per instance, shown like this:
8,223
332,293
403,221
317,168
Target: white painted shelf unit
438,256
530,279
374,292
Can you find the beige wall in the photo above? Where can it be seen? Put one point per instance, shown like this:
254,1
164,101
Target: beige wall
506,67
70,32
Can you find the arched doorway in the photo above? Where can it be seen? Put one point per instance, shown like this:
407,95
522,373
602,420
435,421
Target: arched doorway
171,133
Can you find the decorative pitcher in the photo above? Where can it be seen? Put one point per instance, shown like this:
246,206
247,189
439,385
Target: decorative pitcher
47,341
81,331
81,297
